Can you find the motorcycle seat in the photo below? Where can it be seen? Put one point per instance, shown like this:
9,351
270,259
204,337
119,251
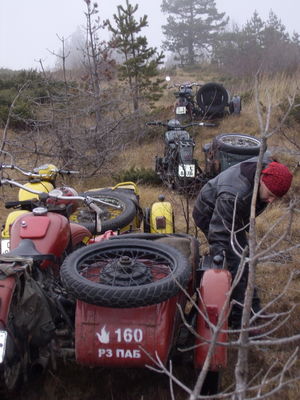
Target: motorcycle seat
26,248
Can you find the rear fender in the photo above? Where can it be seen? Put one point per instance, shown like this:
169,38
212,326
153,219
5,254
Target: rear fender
214,290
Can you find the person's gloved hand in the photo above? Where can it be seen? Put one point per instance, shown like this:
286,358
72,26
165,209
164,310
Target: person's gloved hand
218,259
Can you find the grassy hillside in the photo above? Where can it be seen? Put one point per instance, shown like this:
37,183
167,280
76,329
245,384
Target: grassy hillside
75,382
274,95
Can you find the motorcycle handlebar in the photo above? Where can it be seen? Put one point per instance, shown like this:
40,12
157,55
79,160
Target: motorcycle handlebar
34,174
179,85
156,123
165,124
90,201
56,195
207,124
67,172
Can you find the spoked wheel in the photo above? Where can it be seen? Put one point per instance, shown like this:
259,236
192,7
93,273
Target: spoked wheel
118,211
125,273
238,143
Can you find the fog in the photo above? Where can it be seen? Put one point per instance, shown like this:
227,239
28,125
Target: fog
29,28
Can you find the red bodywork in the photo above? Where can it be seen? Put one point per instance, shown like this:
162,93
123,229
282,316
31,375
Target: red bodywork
214,289
119,337
116,337
51,234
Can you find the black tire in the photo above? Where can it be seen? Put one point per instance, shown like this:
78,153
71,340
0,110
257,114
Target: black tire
149,236
237,143
115,283
212,98
146,220
111,219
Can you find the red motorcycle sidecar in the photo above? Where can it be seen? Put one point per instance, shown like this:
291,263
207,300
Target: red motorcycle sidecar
129,294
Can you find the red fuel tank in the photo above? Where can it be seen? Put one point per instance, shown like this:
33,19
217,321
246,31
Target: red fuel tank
124,337
50,232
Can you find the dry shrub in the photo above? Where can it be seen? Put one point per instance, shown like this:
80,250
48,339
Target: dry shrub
272,217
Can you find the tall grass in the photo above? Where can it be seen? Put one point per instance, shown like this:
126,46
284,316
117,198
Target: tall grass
111,384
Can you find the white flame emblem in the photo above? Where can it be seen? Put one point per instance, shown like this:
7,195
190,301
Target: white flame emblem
103,336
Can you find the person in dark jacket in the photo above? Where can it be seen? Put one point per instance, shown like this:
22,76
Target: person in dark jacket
214,209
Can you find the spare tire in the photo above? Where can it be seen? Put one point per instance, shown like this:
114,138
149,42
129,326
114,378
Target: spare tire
125,273
118,210
237,143
212,98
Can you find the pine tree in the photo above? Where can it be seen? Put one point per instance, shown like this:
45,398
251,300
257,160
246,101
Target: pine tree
140,66
275,30
192,27
254,30
258,46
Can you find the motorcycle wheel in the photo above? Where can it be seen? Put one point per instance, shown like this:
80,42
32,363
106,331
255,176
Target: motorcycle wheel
212,98
125,273
146,220
112,218
237,143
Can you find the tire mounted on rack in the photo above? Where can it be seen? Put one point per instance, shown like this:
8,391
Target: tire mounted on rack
125,273
237,143
112,218
212,98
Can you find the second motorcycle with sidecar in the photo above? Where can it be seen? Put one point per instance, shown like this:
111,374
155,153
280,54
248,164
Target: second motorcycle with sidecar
178,168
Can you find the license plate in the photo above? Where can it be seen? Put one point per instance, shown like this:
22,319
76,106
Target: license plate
181,110
3,337
5,246
186,170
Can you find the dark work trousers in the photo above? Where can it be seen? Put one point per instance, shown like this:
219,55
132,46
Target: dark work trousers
239,291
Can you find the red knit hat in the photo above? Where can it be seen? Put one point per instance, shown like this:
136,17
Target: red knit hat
277,178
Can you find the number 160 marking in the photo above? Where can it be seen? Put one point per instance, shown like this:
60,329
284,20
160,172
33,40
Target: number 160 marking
129,335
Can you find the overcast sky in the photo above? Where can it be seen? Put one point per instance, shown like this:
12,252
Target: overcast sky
29,28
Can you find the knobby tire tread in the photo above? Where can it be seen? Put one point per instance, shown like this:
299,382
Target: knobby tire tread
125,297
120,221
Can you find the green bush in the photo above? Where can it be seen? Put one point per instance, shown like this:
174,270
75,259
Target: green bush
23,112
139,176
35,93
